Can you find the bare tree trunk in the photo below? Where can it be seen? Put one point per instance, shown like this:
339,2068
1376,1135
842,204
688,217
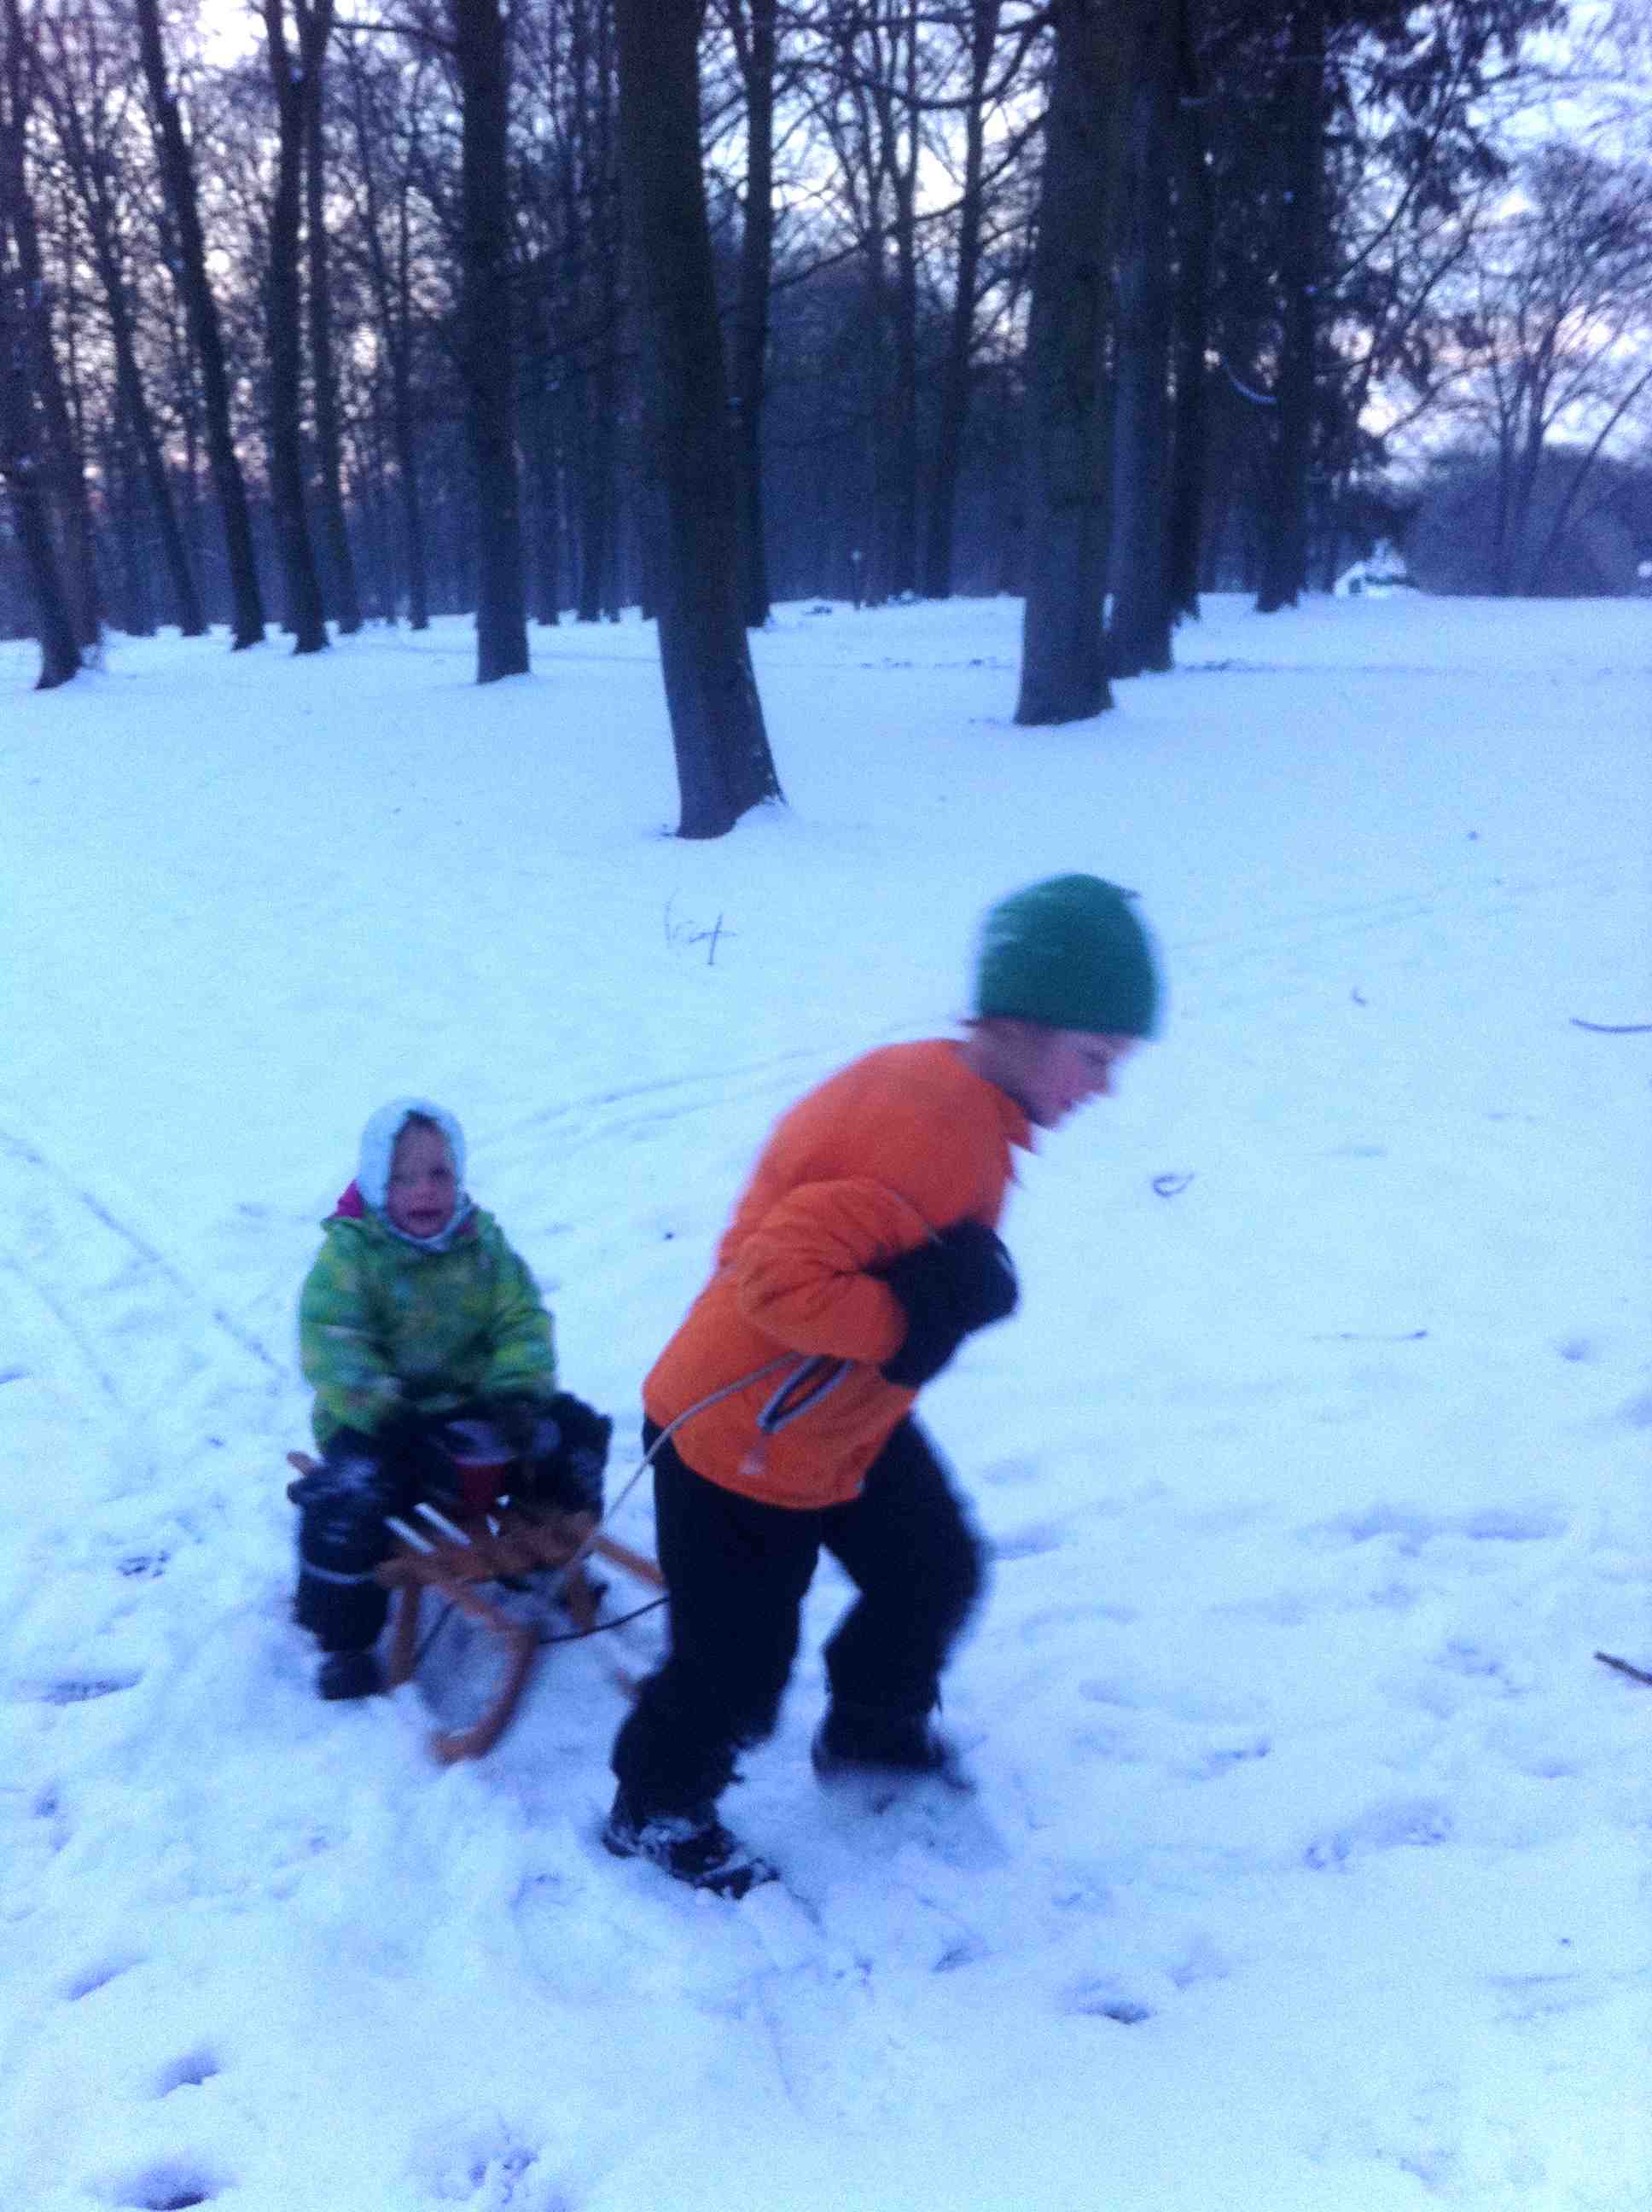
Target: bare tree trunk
407,476
1063,667
60,657
723,761
594,224
177,177
323,380
305,617
902,569
1284,543
54,446
186,598
1195,226
487,341
90,167
547,596
126,520
954,411
22,303
1138,634
598,497
754,26
394,292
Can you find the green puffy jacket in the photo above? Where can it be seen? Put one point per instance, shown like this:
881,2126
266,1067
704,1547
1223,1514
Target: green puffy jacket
386,1328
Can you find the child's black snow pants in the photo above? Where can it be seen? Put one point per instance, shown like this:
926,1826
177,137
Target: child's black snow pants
363,1480
737,1570
342,1536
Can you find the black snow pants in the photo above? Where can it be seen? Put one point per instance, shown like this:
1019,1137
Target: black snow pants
737,1572
342,1536
363,1480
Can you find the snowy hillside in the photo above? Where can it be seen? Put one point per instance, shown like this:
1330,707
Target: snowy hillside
1308,1867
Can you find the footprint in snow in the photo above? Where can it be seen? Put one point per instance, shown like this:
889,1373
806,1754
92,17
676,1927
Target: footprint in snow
141,1566
82,1689
1418,1822
1008,1473
1218,1759
171,2186
1029,1543
1535,1523
192,2071
1106,1999
98,1973
1050,1617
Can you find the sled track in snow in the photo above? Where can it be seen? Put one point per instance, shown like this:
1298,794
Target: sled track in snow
96,1278
603,1115
1315,943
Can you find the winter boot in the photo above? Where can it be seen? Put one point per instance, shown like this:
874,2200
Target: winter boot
350,1674
866,1741
693,1847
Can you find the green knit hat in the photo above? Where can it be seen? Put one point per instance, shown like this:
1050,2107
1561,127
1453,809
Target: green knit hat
1070,953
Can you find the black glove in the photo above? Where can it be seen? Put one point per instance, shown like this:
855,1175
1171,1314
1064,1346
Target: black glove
570,1473
517,1420
960,1281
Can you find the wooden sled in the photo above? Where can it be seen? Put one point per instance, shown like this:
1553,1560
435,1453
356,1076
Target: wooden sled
453,1558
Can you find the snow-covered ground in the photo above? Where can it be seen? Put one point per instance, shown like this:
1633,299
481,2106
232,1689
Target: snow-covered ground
1307,1870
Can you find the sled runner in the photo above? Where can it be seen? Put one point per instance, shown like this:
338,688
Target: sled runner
453,1558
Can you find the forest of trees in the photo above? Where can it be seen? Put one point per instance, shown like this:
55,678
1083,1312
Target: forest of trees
318,312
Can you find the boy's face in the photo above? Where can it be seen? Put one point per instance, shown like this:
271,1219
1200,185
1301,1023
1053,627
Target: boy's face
423,1189
1052,1073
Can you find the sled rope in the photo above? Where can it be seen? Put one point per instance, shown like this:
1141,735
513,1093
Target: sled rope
575,1559
562,1636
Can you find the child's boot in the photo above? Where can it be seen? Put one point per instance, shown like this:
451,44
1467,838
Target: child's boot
350,1674
865,1740
693,1847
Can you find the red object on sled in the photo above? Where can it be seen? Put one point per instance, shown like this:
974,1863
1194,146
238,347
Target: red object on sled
482,1483
484,1546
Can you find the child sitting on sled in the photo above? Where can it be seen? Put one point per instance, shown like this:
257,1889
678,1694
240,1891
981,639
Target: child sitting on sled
430,1350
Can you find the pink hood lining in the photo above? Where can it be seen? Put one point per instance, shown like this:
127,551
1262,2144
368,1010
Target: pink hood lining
352,1206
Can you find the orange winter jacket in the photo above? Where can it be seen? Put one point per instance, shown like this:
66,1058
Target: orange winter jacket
899,1145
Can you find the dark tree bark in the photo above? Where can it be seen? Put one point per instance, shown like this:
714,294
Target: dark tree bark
392,292
753,23
486,343
90,164
178,179
1138,634
593,216
125,519
1195,225
898,119
871,121
20,468
545,480
723,761
599,482
1284,518
284,317
954,406
55,445
1063,666
185,596
342,591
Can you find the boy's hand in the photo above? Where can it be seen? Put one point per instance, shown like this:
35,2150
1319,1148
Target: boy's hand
960,1281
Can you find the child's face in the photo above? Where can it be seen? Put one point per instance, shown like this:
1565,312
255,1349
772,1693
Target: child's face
423,1189
1052,1073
